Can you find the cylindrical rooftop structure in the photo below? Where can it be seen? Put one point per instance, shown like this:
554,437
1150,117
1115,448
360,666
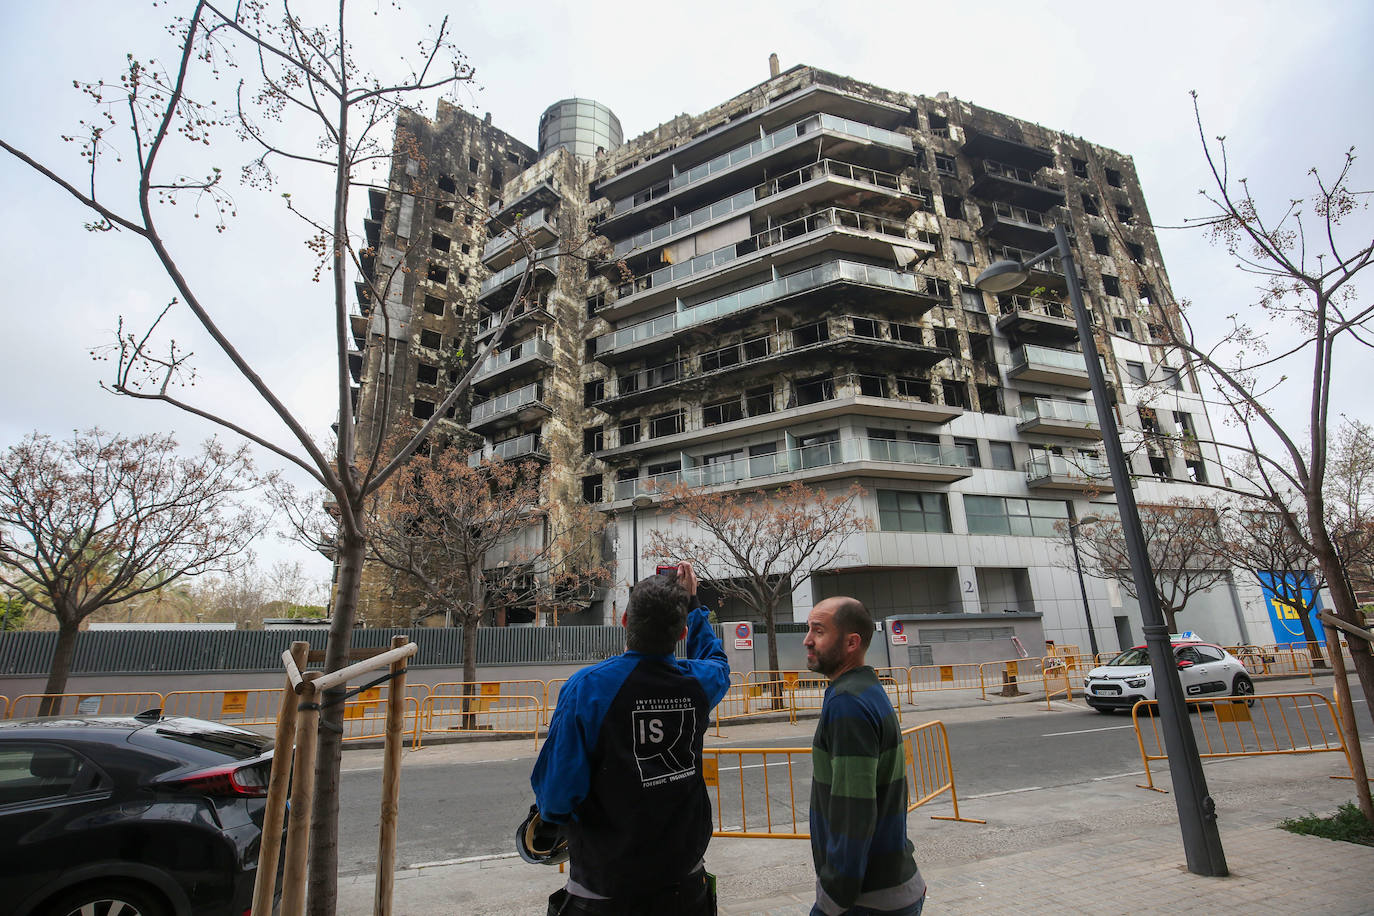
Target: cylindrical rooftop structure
581,125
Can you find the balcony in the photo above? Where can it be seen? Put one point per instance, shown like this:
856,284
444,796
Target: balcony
832,229
827,398
525,314
511,274
814,176
1056,472
1030,363
1059,418
1049,272
1017,225
747,162
535,228
512,407
1042,320
890,286
846,335
826,460
539,196
521,447
996,180
982,145
514,360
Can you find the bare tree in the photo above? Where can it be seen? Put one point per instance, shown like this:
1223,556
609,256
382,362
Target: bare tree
467,541
101,520
1180,540
1350,505
757,547
300,80
1307,255
1257,540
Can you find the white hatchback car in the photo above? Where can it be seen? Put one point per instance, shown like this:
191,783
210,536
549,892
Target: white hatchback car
1203,668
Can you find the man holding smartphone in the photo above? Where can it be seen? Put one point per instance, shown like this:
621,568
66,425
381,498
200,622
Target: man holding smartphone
621,766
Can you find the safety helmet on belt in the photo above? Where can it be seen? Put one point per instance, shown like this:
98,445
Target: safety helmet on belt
540,842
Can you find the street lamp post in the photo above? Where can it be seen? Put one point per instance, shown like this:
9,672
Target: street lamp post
1082,586
1196,808
639,502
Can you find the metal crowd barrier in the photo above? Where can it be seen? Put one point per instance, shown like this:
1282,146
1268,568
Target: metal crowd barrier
552,689
1006,673
1274,661
84,704
965,676
256,706
930,769
4,707
773,809
365,717
1056,679
497,714
1259,725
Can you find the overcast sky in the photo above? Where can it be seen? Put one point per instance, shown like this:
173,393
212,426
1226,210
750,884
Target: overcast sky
1286,83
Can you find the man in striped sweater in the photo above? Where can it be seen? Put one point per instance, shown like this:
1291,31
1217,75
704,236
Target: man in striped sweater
865,865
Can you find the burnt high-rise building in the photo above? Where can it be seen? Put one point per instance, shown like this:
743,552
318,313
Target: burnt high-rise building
781,288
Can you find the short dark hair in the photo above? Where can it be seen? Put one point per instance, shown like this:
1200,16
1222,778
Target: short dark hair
852,617
656,614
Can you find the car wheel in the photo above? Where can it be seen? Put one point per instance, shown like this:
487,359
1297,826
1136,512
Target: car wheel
1243,687
110,898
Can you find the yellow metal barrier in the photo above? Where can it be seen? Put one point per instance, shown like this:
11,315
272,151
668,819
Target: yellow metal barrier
962,676
551,690
4,707
1259,725
490,715
256,706
84,704
365,717
930,769
1276,662
757,696
778,796
1005,673
773,810
901,677
1056,680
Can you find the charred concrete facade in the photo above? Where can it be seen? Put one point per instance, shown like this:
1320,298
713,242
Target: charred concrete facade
781,288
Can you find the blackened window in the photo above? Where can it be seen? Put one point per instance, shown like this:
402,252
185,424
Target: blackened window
593,439
422,409
593,391
434,305
430,339
1125,213
946,165
426,374
1111,285
447,185
1080,168
1090,206
954,207
1113,178
1100,244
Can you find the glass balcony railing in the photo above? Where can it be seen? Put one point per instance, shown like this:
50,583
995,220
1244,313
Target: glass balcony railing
1051,409
824,454
505,275
537,346
505,403
1020,215
801,281
747,198
1033,355
792,230
539,219
526,446
762,146
1014,173
1049,307
1083,467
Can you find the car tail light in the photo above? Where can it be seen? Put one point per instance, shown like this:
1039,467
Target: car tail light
243,780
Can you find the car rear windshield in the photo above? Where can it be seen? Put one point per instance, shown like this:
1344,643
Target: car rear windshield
204,742
1140,655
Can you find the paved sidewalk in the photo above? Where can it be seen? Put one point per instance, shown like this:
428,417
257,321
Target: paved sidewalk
1100,847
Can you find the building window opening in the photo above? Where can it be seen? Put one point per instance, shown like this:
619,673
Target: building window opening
629,433
1080,168
1159,466
946,165
939,124
756,348
981,349
961,250
1090,206
726,411
1124,328
666,424
918,388
592,488
948,339
430,339
593,392
443,213
970,449
873,386
956,394
954,209
1111,285
422,409
809,334
814,390
437,274
990,399
1125,213
434,305
758,401
448,186
1100,245
1197,471
1113,178
440,242
866,327
1137,252
426,374
593,439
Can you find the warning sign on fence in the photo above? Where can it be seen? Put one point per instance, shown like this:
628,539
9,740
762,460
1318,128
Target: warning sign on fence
898,633
235,703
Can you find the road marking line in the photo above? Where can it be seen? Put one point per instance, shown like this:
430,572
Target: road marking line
1008,792
1088,731
490,858
1119,775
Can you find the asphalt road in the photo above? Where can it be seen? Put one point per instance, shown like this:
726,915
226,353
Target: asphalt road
464,809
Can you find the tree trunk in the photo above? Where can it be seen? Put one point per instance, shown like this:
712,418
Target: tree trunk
61,665
1334,574
324,819
770,617
470,622
1169,619
1309,635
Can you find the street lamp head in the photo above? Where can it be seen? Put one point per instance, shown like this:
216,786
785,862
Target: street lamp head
1089,520
1002,277
641,502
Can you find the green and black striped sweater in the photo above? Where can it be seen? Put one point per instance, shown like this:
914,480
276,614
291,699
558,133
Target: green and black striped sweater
858,800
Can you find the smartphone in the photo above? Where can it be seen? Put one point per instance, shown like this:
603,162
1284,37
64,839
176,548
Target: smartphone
666,570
